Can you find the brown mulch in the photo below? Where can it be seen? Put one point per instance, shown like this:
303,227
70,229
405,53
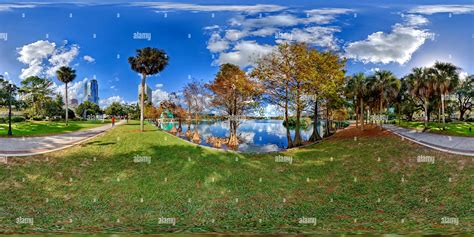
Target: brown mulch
369,131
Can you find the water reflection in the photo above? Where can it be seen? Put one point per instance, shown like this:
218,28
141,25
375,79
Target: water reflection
254,135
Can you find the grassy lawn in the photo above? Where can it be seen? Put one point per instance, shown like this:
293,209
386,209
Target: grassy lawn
42,128
97,187
453,128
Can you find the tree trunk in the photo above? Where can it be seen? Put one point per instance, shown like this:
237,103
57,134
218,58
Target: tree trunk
297,141
381,111
426,113
142,102
461,114
362,113
288,134
67,105
442,110
315,135
328,124
10,133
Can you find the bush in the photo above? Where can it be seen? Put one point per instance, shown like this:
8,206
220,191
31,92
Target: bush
18,119
3,120
304,122
38,118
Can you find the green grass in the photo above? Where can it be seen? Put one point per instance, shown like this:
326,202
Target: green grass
452,128
43,128
200,187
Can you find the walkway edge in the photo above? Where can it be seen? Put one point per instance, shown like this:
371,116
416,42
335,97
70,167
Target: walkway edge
60,148
431,146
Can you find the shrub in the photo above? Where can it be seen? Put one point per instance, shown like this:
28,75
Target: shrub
18,119
304,122
38,118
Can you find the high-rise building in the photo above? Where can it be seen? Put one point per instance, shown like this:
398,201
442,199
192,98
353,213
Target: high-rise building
91,91
148,93
74,103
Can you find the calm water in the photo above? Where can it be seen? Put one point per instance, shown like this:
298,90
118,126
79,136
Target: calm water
255,135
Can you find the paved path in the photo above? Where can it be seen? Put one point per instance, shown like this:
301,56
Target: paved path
27,146
450,144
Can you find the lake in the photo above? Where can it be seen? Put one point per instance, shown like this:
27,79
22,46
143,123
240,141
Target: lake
255,135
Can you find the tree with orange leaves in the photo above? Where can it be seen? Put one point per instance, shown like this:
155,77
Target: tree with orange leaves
235,94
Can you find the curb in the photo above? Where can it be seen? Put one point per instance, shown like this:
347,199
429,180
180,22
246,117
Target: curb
432,146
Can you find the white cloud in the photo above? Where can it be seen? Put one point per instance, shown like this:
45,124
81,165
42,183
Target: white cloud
75,90
272,111
62,57
211,8
433,9
217,44
329,11
35,54
280,20
108,101
158,95
213,27
396,46
9,7
244,53
266,31
415,20
317,36
89,59
234,35
159,85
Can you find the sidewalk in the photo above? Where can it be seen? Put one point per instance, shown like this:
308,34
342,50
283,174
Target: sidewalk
28,146
450,144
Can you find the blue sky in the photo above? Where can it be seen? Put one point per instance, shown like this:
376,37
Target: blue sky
96,39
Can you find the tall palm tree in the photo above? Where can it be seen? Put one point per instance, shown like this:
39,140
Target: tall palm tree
446,78
358,85
386,85
148,61
422,87
66,75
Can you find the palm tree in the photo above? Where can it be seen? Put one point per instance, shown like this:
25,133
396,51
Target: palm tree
35,90
66,75
422,87
149,61
386,85
446,80
358,86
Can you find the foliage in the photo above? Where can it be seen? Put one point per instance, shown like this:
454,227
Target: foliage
464,96
36,92
88,108
115,109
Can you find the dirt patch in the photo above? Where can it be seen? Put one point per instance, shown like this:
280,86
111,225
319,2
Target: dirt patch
369,131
